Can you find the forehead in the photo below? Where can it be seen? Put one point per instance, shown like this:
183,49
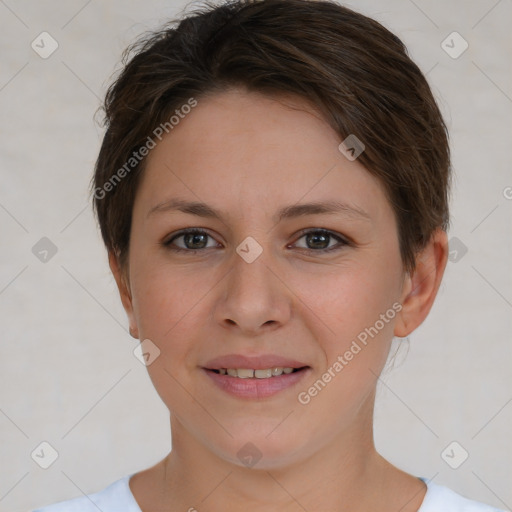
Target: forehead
249,151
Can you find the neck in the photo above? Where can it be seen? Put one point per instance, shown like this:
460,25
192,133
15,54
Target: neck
347,474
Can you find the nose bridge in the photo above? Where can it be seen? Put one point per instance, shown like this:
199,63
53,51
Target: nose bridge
253,296
251,275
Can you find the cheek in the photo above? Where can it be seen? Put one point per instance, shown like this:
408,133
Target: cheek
350,299
167,298
167,306
360,307
357,307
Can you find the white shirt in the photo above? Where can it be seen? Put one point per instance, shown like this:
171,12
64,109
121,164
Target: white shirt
117,497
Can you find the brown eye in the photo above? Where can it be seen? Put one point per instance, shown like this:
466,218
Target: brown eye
321,240
192,240
316,240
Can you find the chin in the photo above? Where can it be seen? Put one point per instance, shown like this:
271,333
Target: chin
261,451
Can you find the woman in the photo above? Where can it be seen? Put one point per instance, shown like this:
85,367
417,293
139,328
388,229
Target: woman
272,190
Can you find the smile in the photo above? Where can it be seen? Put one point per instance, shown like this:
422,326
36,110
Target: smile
247,373
256,384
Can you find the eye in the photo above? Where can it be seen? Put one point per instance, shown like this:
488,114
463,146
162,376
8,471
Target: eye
318,240
193,239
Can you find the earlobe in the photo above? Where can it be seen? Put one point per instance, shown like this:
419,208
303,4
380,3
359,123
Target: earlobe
421,286
124,292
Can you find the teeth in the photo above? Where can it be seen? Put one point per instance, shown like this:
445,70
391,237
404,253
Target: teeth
247,373
243,373
263,374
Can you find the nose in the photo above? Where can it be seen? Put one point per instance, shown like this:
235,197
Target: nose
254,298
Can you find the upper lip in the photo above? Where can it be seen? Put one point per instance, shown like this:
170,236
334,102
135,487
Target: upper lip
261,362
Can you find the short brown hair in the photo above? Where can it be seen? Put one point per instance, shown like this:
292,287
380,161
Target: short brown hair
351,68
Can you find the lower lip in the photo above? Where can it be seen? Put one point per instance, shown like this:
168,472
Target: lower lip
256,388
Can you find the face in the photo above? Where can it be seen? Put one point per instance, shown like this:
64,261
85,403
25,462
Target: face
295,264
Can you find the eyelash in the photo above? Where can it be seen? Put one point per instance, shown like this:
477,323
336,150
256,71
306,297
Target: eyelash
341,241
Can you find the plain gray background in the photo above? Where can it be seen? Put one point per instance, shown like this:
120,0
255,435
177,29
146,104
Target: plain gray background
68,373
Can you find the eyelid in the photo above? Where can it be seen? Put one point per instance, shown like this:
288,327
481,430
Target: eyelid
167,242
334,234
342,240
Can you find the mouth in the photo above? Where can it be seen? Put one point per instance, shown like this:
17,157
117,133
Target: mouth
255,377
248,373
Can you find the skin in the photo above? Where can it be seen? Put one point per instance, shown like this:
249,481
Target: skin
249,155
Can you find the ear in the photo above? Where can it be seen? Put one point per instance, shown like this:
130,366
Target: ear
420,286
124,291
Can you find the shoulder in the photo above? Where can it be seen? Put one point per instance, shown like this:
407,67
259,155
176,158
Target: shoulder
442,499
117,497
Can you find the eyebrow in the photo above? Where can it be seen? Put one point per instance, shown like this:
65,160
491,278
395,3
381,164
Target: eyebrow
288,212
